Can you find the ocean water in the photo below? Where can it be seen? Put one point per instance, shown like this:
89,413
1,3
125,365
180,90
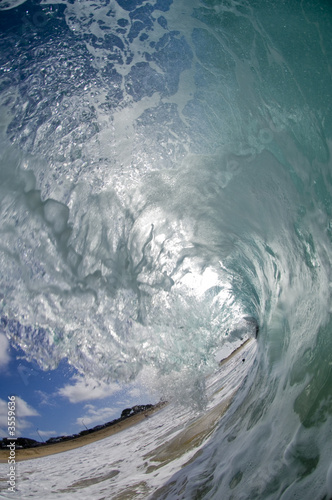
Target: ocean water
166,173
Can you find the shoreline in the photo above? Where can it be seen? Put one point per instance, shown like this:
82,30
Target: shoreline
70,444
233,353
91,435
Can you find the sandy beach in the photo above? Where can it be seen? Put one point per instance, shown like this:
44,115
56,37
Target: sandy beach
70,444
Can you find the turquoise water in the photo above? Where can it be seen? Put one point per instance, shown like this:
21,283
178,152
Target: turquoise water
165,172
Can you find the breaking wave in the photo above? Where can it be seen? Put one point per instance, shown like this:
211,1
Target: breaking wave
166,174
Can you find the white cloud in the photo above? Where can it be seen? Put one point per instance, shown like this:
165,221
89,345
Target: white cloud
22,409
94,415
4,351
87,389
135,392
3,433
46,434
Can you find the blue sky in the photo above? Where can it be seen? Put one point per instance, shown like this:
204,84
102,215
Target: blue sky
58,402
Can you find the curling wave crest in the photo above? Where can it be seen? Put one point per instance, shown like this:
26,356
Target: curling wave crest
165,174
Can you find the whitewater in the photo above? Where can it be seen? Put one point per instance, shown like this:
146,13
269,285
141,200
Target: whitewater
165,183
